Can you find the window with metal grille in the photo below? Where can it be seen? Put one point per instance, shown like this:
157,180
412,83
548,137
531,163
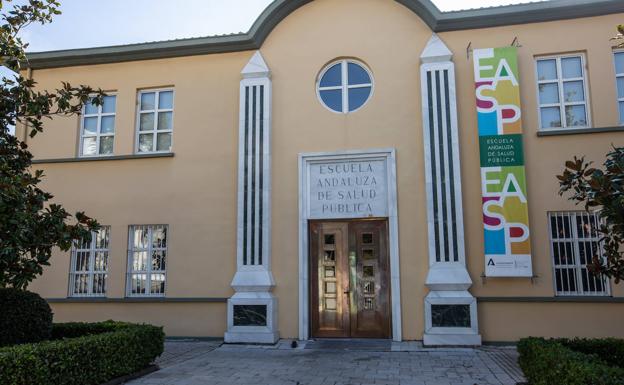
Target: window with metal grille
574,241
147,253
89,265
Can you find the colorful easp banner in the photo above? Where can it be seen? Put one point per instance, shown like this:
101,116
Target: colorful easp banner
503,181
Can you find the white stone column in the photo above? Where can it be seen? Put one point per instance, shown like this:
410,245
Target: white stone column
450,310
252,311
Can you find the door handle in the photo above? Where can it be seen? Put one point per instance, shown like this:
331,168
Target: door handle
347,291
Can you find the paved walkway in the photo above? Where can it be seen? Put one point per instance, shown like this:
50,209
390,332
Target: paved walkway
210,363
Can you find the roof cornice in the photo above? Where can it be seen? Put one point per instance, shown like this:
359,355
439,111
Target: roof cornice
278,10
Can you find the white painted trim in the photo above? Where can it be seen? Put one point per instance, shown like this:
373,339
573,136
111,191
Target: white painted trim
616,52
344,87
559,81
155,131
98,134
387,155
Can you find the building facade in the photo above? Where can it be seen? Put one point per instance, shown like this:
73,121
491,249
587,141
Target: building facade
347,168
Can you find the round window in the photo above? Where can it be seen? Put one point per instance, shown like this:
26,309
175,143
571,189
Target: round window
344,86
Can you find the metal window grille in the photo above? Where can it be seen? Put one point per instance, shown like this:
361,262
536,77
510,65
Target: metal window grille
147,254
574,240
89,265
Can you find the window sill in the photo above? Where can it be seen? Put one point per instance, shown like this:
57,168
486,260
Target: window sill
576,131
135,299
572,299
104,158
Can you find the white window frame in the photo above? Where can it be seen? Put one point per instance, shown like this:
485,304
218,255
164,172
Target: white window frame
579,269
155,131
562,103
148,271
344,87
99,115
618,75
91,272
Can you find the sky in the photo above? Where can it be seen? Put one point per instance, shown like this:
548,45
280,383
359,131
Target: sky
96,23
92,23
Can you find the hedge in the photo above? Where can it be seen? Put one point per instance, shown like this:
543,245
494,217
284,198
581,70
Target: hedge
82,354
554,362
24,317
609,350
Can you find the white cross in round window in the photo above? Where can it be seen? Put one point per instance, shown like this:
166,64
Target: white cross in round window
344,86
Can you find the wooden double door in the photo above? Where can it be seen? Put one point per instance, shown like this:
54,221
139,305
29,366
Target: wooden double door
349,279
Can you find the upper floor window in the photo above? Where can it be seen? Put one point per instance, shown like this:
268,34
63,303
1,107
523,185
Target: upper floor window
619,78
89,265
155,121
574,241
147,254
562,92
97,128
344,86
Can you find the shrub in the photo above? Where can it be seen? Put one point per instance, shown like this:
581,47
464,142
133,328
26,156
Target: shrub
610,350
93,354
79,329
24,317
551,363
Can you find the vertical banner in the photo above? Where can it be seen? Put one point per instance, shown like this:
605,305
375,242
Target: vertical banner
503,180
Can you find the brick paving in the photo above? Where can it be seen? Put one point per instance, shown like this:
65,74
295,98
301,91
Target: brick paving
210,363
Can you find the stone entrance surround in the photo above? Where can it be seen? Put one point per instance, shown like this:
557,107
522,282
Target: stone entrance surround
208,362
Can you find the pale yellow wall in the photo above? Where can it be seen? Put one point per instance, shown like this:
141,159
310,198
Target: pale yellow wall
195,192
178,319
544,156
503,322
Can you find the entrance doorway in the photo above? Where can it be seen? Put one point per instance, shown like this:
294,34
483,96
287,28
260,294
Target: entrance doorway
349,279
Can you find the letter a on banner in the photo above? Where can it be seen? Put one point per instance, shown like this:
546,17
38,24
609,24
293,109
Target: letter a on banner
503,180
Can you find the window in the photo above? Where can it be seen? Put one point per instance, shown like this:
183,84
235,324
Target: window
562,92
344,86
146,260
155,121
574,242
619,78
89,265
97,127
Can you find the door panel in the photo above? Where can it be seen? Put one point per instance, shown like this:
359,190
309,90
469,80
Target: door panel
328,255
349,274
370,292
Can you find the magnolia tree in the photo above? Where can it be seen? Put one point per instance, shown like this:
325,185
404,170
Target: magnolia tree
30,225
601,190
619,38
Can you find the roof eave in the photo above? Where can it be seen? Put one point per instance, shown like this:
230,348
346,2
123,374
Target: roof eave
280,9
526,13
